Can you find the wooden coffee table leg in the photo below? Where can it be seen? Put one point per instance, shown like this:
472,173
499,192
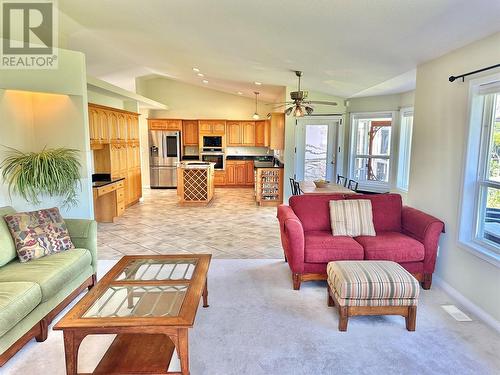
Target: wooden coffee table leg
205,294
183,349
72,342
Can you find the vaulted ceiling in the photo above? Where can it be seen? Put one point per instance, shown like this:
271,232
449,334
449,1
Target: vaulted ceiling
345,48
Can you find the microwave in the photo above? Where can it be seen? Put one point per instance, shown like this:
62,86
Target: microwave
212,141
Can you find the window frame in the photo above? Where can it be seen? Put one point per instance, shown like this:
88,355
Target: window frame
375,186
475,183
404,160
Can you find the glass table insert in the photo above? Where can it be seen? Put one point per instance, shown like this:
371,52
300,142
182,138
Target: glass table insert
145,288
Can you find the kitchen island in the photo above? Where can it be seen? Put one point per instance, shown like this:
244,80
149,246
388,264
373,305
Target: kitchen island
195,182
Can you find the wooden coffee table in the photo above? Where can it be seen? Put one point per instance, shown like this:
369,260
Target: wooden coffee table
149,302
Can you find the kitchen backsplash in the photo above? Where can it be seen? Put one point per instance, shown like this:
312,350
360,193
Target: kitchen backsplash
248,151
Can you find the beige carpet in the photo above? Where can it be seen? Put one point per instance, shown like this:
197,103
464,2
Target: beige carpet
256,324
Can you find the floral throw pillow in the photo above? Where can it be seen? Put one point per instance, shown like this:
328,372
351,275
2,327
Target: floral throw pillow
38,233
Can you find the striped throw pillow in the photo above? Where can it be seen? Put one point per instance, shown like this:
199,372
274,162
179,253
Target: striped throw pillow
352,218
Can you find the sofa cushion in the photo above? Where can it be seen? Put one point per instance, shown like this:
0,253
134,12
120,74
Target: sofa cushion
17,300
387,210
392,246
313,211
7,247
38,233
322,247
52,272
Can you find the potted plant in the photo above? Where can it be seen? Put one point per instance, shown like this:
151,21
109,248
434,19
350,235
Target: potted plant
53,172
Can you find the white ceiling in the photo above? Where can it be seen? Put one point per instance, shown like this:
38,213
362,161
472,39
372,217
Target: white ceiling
345,48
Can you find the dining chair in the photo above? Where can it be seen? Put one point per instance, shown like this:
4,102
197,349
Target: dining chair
297,190
353,185
341,180
292,186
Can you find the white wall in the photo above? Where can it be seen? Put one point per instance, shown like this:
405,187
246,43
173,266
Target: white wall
41,108
439,139
194,102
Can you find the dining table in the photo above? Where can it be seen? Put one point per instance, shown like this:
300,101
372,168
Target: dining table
309,187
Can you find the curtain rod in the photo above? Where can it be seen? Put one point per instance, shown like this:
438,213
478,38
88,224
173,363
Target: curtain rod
452,78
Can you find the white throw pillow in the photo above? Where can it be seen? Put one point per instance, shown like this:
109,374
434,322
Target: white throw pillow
352,217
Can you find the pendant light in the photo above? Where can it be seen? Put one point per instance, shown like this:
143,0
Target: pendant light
256,115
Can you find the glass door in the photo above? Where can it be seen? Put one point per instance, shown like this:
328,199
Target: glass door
316,154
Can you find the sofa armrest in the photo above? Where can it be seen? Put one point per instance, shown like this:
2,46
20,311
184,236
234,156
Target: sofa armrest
426,229
292,238
83,234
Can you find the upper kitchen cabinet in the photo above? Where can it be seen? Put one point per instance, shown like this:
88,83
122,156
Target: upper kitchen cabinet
109,124
277,131
248,133
165,124
190,132
234,134
241,133
262,133
215,127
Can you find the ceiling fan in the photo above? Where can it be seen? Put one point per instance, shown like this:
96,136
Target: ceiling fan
299,105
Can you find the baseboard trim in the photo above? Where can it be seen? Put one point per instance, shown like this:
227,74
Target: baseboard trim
468,304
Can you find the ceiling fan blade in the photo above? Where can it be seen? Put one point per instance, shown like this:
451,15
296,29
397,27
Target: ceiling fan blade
323,102
280,103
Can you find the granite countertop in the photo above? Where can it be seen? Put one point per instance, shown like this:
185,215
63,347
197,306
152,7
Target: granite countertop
98,184
265,164
247,157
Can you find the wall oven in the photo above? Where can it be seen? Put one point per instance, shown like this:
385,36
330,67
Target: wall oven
214,157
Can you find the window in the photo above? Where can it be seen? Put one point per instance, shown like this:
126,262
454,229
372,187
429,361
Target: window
371,142
404,153
480,217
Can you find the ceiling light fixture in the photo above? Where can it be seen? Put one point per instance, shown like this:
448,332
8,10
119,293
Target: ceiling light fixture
201,75
205,81
239,93
256,115
258,83
196,70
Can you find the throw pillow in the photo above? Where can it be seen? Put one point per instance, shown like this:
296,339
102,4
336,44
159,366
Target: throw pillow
352,218
38,233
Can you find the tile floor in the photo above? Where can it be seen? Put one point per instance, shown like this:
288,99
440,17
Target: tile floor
232,226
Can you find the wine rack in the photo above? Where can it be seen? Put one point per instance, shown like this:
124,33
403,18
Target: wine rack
269,183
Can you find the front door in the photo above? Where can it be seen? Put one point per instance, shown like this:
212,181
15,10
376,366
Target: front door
317,152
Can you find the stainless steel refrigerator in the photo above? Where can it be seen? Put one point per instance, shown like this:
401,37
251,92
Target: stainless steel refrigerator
164,154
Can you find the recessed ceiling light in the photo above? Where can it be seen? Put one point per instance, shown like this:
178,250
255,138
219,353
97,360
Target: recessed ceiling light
258,83
196,70
201,75
239,93
205,81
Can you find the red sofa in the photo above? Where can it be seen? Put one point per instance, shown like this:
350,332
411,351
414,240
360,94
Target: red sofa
404,235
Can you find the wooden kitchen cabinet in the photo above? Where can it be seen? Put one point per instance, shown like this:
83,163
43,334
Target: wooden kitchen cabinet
165,124
277,131
119,152
250,177
190,132
239,173
233,133
261,133
212,127
248,133
241,133
220,178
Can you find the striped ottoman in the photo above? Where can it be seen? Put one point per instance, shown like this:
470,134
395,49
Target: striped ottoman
372,288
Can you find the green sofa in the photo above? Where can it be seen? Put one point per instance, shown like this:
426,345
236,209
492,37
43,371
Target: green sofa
33,293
